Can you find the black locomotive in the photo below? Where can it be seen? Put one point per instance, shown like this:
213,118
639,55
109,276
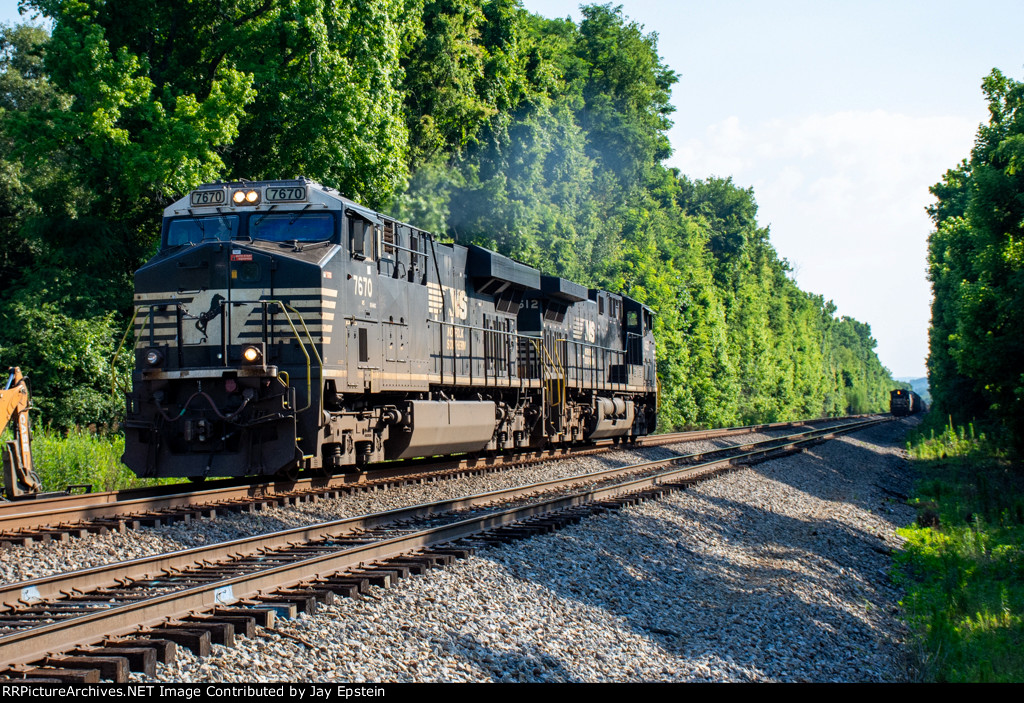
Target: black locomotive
903,402
282,326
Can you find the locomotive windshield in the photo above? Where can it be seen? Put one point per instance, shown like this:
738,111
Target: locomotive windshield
269,227
193,230
292,226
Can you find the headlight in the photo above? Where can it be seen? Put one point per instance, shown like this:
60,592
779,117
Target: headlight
154,357
251,355
246,197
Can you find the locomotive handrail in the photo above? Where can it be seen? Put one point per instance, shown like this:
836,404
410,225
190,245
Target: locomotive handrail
556,382
588,344
634,346
517,336
302,348
607,350
514,336
117,352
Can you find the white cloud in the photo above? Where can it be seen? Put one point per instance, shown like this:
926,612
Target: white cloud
844,194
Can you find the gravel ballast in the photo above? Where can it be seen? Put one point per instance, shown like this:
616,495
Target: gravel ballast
38,560
778,572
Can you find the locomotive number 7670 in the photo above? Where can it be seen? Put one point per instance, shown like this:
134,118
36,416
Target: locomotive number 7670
363,284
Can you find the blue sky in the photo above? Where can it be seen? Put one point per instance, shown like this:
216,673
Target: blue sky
840,115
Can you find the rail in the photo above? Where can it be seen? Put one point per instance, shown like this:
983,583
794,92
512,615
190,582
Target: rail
23,522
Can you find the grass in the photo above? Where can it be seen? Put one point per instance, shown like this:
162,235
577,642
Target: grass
963,565
81,456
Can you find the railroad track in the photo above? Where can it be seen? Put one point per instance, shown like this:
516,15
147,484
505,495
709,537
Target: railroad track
62,517
107,620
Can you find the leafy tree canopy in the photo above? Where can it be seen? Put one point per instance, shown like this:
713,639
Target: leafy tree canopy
976,266
541,138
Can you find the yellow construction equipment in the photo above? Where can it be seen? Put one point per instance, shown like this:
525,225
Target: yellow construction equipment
20,478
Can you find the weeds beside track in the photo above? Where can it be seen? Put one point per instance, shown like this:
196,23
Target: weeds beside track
963,566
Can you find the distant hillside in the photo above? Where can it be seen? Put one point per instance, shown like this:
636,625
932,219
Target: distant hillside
919,386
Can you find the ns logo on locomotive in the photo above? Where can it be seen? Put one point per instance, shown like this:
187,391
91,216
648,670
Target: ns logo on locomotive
282,326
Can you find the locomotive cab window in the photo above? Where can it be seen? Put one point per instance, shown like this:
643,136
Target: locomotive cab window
392,259
293,227
193,230
361,235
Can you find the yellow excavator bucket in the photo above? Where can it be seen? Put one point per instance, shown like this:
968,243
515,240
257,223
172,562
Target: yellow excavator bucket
20,478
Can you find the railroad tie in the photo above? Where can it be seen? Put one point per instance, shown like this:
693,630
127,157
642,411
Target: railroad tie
140,659
196,641
320,595
342,587
110,667
264,617
458,552
417,564
243,625
361,581
164,650
288,606
64,675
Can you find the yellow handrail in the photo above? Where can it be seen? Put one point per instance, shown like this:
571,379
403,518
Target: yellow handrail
558,383
302,347
298,337
113,362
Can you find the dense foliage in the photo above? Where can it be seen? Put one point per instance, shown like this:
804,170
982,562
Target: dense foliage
962,568
541,138
976,265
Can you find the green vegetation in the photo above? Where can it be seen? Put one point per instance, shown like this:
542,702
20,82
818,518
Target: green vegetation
976,265
964,563
82,457
963,566
543,139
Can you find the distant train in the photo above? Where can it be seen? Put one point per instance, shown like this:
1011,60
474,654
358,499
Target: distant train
903,402
283,326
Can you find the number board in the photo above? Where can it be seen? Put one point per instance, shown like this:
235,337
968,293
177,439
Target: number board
208,197
285,194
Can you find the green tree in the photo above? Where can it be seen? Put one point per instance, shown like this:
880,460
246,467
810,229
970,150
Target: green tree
976,265
541,138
